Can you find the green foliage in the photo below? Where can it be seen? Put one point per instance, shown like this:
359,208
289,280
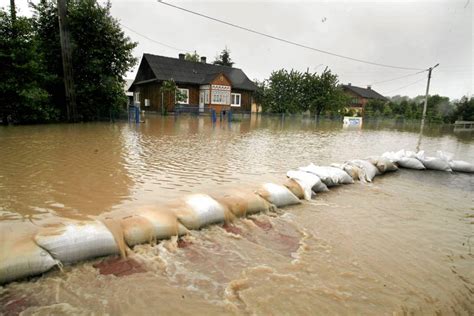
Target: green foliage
169,87
101,55
224,58
463,110
439,109
296,92
192,57
22,97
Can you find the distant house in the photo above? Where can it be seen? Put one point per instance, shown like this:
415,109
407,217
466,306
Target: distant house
203,85
360,96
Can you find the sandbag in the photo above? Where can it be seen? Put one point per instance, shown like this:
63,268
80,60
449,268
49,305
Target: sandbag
241,204
370,171
319,186
394,156
277,194
307,181
353,171
22,258
433,163
383,164
76,241
410,163
199,210
461,166
330,176
295,188
149,224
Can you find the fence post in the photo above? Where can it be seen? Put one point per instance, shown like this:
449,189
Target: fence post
137,114
213,115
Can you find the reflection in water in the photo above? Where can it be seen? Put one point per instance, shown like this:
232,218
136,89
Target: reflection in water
400,245
73,170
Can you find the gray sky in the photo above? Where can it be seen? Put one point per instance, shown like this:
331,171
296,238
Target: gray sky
415,34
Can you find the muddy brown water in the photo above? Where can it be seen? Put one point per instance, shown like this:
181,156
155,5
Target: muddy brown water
403,244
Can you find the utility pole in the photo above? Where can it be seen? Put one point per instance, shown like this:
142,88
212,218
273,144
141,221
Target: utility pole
423,116
13,11
71,110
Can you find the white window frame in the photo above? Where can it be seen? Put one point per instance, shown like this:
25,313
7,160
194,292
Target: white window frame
136,97
233,97
220,97
185,91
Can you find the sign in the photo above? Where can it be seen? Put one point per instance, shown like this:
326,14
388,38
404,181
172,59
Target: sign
352,121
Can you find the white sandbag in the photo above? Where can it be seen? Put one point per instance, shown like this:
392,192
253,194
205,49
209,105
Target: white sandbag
149,224
397,156
410,163
444,155
278,195
353,171
243,203
329,175
461,166
369,169
306,180
383,164
199,210
22,258
76,241
294,188
433,163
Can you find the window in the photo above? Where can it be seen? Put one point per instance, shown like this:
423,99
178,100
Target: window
235,98
147,102
185,96
220,97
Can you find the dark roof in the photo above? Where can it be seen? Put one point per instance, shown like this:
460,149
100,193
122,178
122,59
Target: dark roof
364,92
183,71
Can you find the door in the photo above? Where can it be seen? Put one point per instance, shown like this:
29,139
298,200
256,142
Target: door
201,101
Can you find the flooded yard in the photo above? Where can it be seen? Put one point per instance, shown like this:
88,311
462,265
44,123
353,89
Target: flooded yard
400,245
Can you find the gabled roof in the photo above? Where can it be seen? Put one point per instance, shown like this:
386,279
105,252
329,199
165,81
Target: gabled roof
364,92
190,72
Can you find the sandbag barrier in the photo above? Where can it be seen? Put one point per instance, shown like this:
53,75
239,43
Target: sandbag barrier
71,241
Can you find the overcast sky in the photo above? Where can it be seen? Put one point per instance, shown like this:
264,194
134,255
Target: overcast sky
413,34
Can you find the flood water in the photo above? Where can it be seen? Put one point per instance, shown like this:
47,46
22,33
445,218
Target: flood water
400,245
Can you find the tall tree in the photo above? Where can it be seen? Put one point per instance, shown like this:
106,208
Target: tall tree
101,55
224,58
22,97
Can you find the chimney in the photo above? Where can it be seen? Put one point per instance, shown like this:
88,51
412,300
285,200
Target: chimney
369,87
349,84
181,56
203,59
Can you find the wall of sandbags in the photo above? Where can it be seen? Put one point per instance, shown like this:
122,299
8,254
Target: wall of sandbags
71,241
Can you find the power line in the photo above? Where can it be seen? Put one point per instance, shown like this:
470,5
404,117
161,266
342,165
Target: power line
284,40
155,41
397,78
408,85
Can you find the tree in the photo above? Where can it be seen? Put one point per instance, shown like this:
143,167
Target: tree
169,90
192,57
224,58
22,96
102,54
296,92
464,110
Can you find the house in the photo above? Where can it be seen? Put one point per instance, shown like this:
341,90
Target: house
203,85
126,85
360,96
